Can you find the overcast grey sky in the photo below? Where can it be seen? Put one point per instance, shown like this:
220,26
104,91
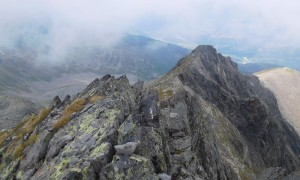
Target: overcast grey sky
261,23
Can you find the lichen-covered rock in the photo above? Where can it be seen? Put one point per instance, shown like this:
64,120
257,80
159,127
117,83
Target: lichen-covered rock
126,149
37,152
133,167
56,145
101,155
202,120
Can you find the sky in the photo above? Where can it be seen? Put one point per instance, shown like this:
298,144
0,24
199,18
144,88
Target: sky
257,23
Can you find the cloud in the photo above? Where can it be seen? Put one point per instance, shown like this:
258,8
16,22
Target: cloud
268,23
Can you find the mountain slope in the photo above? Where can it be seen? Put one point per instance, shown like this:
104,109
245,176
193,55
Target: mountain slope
14,109
140,56
285,84
17,70
202,120
244,105
26,69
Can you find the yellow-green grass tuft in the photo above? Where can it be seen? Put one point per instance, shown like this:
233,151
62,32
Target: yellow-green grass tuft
18,151
76,106
95,98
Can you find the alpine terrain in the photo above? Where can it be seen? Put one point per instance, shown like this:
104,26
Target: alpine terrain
26,68
285,84
13,109
202,120
26,74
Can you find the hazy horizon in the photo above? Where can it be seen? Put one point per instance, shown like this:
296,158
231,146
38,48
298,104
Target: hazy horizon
60,25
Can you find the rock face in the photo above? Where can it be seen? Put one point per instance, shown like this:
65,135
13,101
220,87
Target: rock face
126,149
202,120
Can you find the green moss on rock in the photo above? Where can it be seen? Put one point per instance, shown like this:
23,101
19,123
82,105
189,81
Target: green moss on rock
103,148
140,168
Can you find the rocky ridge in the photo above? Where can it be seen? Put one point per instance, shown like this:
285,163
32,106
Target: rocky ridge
202,120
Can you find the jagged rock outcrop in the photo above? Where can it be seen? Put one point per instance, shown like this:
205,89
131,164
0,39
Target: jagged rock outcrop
55,103
126,149
202,120
66,101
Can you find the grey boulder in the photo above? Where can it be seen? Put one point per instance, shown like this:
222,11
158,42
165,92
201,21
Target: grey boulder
126,149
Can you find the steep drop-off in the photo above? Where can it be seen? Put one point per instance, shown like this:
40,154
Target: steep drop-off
202,120
285,84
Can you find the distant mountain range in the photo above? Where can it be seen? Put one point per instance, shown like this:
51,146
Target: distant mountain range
238,49
141,57
24,72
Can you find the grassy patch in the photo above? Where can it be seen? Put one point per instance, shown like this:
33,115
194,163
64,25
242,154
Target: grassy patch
31,122
62,121
3,136
18,151
27,126
20,125
76,106
93,99
164,94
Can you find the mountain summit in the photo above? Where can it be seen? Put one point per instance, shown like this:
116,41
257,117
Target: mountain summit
202,120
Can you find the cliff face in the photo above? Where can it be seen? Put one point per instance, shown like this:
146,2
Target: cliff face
202,120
